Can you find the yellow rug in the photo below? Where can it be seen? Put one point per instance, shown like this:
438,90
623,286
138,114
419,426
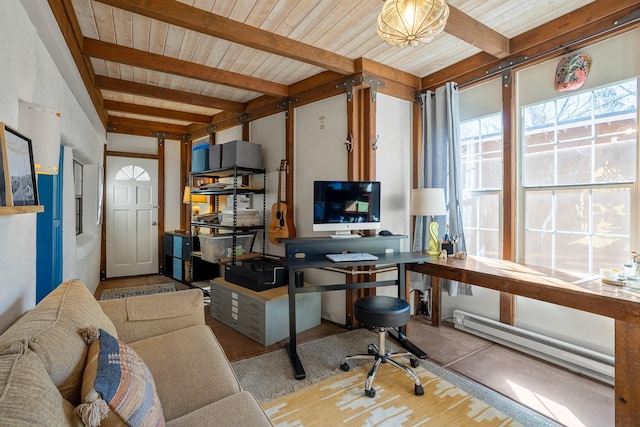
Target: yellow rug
340,400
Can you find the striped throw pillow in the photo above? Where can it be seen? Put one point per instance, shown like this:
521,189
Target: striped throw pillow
117,386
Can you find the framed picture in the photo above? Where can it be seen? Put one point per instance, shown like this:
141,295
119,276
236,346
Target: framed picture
5,182
20,168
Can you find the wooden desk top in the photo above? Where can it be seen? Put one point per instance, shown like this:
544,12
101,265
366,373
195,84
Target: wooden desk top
580,291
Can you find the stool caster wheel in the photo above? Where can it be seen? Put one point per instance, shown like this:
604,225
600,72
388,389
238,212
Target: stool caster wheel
419,391
414,362
344,366
371,392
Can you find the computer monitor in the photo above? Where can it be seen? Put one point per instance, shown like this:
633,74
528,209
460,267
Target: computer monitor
345,206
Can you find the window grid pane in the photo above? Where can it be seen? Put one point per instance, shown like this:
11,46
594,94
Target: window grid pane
482,184
579,171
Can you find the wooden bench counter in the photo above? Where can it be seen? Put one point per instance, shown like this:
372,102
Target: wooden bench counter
568,289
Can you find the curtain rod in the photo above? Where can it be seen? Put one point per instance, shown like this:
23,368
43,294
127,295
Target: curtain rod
507,64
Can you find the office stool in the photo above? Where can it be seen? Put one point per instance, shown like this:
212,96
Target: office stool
382,312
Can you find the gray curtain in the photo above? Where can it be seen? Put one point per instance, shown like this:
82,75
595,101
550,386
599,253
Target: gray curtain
441,168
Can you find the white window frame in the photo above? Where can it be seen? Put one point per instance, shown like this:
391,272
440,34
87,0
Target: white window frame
521,190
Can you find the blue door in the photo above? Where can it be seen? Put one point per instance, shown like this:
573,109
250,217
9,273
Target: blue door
49,233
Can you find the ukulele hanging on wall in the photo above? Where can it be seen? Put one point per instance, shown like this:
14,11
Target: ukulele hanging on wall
281,225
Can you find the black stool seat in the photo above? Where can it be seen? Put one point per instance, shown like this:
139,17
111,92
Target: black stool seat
379,310
382,312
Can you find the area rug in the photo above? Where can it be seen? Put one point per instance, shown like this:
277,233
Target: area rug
328,396
137,290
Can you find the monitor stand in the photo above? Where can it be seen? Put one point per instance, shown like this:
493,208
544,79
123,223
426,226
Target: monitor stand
344,235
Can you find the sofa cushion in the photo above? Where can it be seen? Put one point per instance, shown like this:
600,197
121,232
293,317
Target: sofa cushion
189,368
51,330
28,397
240,409
141,317
116,379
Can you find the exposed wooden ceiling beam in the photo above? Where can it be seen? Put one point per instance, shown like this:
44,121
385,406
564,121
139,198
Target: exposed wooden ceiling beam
145,127
192,18
153,61
68,23
476,34
157,92
583,26
145,110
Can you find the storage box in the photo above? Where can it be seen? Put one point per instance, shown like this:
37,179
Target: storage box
242,154
215,157
257,274
200,157
216,246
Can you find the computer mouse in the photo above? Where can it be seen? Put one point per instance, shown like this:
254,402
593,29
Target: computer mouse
385,233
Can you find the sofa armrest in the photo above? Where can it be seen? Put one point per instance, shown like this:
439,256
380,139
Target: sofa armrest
141,317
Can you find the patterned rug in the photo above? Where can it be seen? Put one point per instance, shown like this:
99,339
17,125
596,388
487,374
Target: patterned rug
328,396
137,290
341,401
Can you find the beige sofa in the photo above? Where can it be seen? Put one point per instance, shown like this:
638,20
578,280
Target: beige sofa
43,358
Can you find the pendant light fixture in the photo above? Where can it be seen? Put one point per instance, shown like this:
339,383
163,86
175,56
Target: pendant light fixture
411,22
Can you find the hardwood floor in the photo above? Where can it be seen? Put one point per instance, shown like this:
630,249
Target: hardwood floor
569,398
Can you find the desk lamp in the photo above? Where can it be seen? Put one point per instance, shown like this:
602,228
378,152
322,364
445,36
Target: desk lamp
196,198
429,202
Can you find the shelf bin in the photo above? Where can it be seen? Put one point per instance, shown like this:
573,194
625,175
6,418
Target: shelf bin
213,247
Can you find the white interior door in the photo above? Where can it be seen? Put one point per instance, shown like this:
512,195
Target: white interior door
131,216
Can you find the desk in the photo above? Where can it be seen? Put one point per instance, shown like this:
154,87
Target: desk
386,248
569,289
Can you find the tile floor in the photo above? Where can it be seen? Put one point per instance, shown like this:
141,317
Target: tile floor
566,397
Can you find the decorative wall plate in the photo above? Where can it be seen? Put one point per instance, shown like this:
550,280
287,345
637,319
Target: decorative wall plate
572,72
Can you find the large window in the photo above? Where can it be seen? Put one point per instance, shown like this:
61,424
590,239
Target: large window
481,140
579,174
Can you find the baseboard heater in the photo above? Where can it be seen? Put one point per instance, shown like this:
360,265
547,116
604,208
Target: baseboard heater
575,358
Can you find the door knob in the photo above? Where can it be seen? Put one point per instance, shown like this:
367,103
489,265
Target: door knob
154,223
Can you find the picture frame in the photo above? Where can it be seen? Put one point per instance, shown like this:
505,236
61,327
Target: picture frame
5,181
20,172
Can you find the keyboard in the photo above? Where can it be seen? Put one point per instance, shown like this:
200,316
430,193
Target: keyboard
352,256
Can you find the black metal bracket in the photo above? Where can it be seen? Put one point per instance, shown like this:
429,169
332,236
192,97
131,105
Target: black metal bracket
507,64
285,104
242,118
374,83
350,82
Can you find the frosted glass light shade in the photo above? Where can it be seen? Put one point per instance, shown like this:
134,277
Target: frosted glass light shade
411,22
42,125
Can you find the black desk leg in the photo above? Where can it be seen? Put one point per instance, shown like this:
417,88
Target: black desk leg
400,335
401,338
291,346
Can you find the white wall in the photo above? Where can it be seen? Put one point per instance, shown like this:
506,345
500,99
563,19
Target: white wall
30,74
320,154
270,132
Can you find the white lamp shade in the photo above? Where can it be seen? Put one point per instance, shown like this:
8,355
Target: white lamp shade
41,125
428,202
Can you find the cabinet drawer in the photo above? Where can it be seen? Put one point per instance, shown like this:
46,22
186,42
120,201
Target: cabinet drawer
261,318
181,247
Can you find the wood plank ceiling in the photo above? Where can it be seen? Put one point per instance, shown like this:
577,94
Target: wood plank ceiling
182,66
